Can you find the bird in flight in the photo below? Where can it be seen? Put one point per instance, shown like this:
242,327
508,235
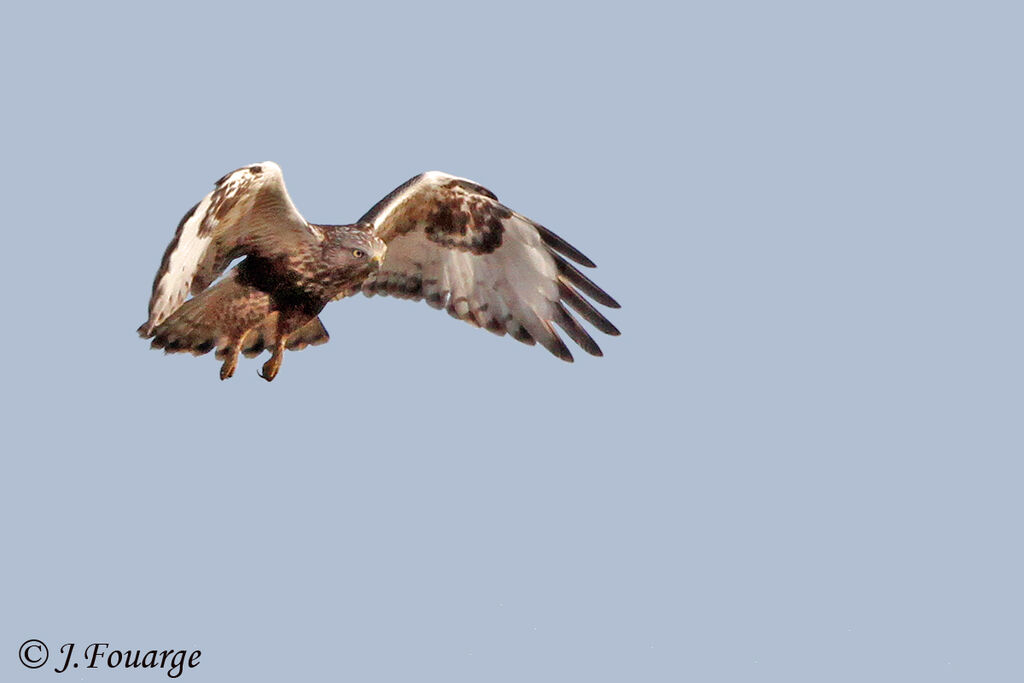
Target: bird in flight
439,238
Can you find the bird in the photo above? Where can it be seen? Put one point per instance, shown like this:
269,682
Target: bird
437,237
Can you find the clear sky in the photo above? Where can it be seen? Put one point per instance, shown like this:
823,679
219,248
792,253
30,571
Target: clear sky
800,462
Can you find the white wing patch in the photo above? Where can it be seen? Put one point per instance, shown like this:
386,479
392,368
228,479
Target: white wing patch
175,281
219,229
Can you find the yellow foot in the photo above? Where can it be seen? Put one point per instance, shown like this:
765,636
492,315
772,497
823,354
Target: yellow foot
271,367
229,366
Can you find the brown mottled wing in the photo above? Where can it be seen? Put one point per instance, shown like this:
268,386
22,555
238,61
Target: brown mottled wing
248,212
216,317
451,243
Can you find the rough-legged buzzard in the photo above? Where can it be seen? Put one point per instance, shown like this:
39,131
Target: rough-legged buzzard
439,238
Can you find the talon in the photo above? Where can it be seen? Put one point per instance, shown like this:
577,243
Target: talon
270,368
228,369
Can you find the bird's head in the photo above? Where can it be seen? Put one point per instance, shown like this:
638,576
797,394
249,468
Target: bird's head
354,247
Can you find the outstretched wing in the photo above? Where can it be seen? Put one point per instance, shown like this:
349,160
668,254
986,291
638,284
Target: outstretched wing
248,212
451,243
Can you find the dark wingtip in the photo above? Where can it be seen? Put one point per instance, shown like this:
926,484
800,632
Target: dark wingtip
585,284
585,309
520,333
566,356
563,247
576,331
553,343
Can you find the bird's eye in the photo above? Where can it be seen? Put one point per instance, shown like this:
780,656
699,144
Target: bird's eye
358,253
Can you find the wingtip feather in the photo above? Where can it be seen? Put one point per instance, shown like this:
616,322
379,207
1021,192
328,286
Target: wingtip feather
576,331
559,245
585,309
571,274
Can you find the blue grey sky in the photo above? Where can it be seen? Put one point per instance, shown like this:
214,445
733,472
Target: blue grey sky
800,461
